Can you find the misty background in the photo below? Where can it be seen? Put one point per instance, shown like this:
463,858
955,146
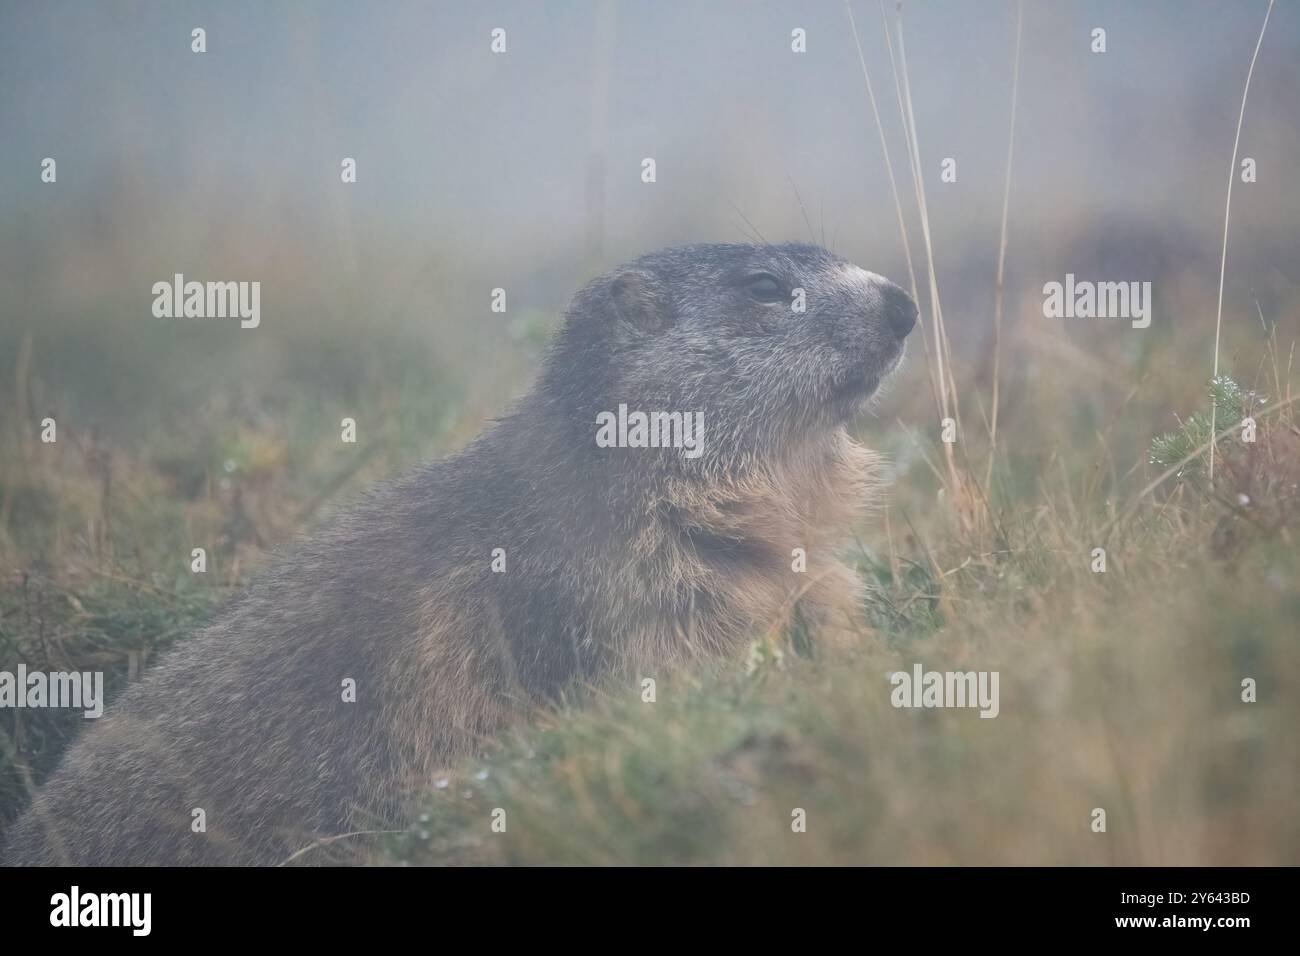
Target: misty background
522,171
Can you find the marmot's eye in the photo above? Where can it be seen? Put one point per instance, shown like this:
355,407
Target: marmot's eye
764,288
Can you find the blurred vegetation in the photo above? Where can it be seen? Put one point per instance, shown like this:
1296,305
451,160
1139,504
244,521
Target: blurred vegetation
1120,690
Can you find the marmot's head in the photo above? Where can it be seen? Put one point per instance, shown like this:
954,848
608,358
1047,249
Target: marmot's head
770,343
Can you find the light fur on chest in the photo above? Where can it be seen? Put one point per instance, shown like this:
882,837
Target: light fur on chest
716,569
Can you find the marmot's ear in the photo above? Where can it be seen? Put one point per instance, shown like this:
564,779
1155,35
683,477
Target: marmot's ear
637,298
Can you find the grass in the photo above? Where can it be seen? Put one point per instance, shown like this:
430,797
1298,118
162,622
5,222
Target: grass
1119,690
1227,216
96,531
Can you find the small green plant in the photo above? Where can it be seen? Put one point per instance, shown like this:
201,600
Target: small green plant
901,599
1231,404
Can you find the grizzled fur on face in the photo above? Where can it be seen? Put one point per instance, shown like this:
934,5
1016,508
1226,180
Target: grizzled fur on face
714,329
488,583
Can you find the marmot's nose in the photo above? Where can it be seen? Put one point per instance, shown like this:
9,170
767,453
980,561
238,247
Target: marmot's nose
900,310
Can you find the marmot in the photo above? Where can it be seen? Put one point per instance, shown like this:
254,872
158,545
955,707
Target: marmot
613,560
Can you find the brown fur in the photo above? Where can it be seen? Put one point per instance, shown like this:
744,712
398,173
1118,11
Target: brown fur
620,562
